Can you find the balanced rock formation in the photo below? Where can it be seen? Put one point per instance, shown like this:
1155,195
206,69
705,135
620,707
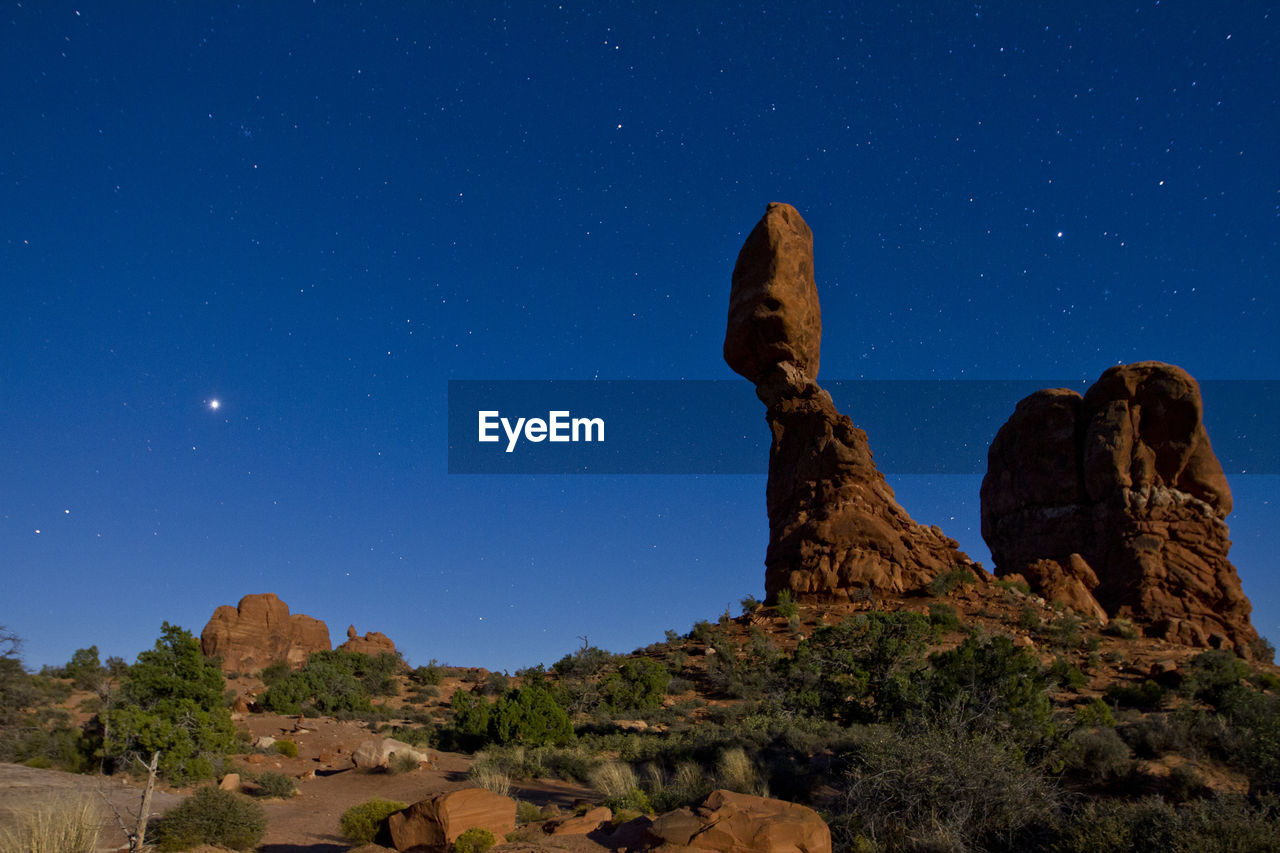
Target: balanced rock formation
260,631
1114,504
372,643
834,525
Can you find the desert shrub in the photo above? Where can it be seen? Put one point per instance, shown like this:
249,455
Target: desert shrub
988,679
1095,713
287,748
1212,674
84,669
474,840
856,670
1065,631
527,812
58,825
211,816
1263,650
1156,735
943,617
431,675
973,790
1029,618
1065,674
1122,628
275,786
1225,824
530,716
1147,696
171,702
1254,745
361,823
1096,756
948,581
495,684
750,605
275,673
470,725
585,663
785,605
334,682
637,685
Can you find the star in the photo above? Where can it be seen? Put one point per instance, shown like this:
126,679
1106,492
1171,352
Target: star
215,404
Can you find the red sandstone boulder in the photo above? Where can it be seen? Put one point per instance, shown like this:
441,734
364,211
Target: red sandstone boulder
435,823
740,823
372,643
1118,494
260,631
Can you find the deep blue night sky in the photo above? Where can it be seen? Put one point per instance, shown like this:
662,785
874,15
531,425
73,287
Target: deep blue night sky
320,215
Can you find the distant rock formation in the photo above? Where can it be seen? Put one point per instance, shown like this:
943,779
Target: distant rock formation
834,525
260,631
372,643
1113,503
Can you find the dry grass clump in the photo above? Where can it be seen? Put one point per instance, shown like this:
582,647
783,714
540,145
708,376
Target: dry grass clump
487,772
736,771
614,779
62,825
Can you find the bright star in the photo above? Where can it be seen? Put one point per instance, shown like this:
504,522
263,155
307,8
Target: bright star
214,404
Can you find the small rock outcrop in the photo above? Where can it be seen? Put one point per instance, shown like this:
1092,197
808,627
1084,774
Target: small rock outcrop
260,631
834,524
435,823
741,823
1114,504
372,643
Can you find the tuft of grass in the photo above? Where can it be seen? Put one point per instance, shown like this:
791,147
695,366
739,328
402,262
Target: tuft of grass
737,772
614,779
488,773
66,825
287,748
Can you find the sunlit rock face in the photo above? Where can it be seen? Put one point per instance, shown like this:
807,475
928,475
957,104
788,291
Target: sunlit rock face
835,529
1115,500
260,631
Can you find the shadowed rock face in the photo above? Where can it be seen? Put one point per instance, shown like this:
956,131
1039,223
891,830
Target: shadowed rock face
1115,501
834,525
260,631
